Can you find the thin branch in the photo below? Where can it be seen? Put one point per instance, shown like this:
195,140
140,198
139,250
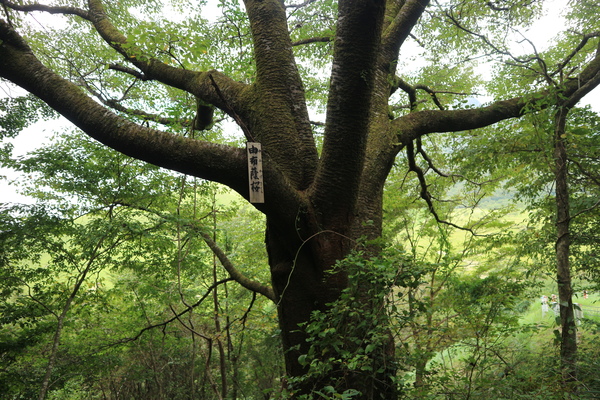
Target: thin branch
583,90
231,111
438,324
416,39
590,208
189,328
424,193
234,272
307,2
116,105
433,95
244,317
175,317
520,61
8,19
411,91
39,302
431,165
426,157
495,7
395,107
585,172
541,63
594,179
582,43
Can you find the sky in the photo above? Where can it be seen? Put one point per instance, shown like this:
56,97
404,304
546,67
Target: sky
540,33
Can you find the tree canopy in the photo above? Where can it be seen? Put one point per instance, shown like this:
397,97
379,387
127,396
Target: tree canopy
338,94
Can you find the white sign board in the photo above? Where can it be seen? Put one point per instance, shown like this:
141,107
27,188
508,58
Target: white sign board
255,173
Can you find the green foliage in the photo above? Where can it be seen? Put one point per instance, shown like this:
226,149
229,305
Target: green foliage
350,340
16,113
120,238
128,232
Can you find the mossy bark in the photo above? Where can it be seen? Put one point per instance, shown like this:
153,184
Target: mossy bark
316,207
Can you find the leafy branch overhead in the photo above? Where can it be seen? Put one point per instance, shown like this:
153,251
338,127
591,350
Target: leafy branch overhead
162,82
234,97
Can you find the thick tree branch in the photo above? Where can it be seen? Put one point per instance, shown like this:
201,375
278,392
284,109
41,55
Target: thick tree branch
348,108
215,162
401,26
421,123
275,64
288,138
197,83
206,160
400,18
49,9
320,39
152,68
200,84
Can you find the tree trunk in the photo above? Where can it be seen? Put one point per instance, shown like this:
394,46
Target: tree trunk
568,346
317,206
299,264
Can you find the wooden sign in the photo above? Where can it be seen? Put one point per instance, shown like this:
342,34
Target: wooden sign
255,173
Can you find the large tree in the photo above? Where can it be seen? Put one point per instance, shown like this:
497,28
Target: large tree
319,199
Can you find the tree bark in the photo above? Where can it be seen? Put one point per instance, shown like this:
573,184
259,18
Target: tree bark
568,345
302,285
316,207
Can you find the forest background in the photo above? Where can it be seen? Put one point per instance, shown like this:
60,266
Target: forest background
124,280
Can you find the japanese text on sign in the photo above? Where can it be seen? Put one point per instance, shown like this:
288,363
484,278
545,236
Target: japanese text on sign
255,175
